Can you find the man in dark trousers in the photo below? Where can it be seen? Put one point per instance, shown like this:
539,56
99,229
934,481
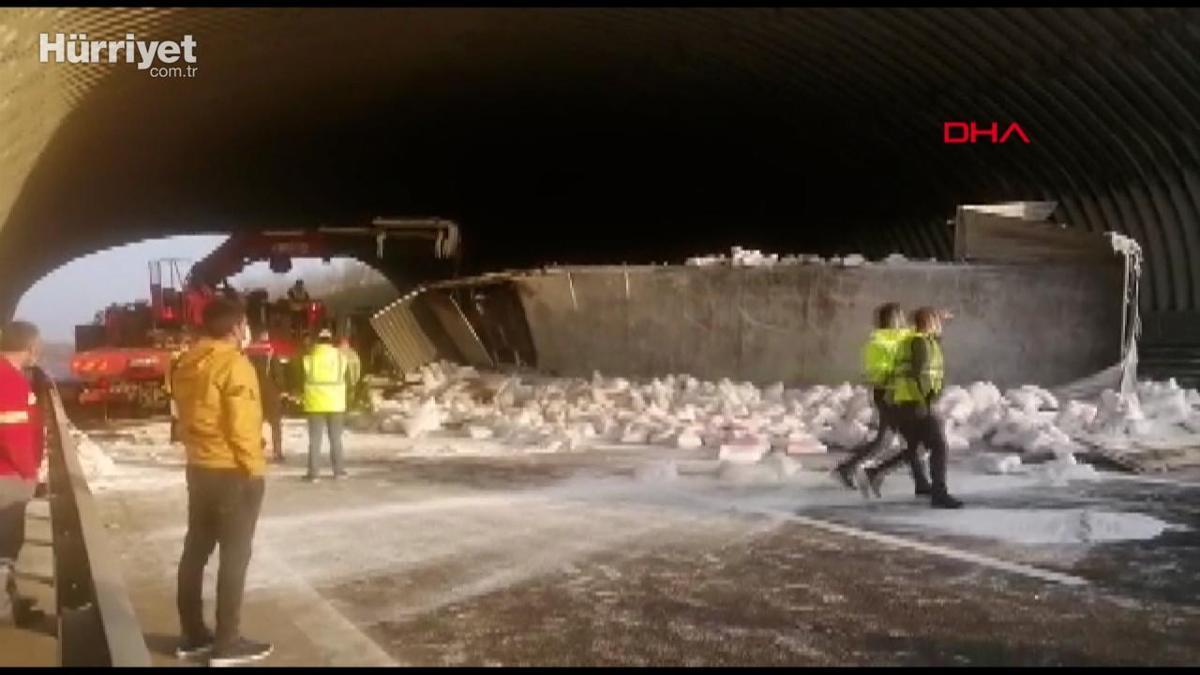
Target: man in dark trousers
21,446
879,362
919,381
271,386
220,424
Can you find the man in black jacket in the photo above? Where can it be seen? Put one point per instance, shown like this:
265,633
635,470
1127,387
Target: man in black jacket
271,385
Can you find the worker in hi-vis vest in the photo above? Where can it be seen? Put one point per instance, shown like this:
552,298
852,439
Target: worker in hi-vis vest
879,364
918,382
325,401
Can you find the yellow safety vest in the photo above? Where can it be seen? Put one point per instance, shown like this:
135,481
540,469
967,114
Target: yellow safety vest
879,355
906,388
324,380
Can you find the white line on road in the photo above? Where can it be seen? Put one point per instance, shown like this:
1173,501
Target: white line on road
942,551
889,540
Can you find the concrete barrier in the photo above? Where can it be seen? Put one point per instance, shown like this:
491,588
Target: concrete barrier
1045,324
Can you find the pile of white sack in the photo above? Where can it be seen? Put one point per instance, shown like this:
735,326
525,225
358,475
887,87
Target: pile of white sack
740,421
736,420
1032,421
741,257
93,460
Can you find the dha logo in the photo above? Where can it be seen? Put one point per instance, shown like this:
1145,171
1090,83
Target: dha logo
970,132
76,48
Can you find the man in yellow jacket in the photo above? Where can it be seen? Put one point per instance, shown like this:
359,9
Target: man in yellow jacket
220,423
325,369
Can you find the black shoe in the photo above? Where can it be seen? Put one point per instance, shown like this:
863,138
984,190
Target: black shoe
924,489
240,652
943,500
874,481
846,475
188,649
311,479
27,615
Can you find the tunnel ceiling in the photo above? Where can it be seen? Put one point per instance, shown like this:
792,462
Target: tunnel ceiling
605,135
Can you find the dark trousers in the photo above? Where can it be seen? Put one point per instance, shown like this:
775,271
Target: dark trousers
890,420
15,494
318,425
223,507
922,429
12,531
273,414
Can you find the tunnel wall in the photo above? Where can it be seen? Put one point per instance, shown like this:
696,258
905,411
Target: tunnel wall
1014,324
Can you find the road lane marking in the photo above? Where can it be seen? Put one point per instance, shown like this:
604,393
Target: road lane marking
939,550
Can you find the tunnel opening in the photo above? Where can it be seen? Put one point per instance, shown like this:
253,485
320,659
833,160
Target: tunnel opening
111,320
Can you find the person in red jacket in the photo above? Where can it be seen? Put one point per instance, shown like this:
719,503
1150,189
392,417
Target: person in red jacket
195,299
21,446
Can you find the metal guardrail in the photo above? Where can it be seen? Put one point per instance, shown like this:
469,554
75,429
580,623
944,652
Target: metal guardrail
96,622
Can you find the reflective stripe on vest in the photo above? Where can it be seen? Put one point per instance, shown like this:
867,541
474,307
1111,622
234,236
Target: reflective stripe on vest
14,417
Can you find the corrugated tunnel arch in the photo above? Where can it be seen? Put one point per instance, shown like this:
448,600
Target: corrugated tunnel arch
606,135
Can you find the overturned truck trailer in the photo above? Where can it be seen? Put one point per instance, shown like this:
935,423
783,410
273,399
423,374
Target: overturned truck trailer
1033,303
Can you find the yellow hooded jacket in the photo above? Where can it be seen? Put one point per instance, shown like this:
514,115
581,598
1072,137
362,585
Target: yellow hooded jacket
220,408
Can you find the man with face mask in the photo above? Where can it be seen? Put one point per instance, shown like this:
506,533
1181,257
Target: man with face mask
21,450
220,423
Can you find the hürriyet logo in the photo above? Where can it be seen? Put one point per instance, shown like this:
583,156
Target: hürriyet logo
147,55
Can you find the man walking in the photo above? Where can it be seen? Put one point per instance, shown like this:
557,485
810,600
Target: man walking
220,424
21,446
325,402
879,362
919,381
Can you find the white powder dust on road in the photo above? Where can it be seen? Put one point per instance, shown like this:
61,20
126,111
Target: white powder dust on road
1037,526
